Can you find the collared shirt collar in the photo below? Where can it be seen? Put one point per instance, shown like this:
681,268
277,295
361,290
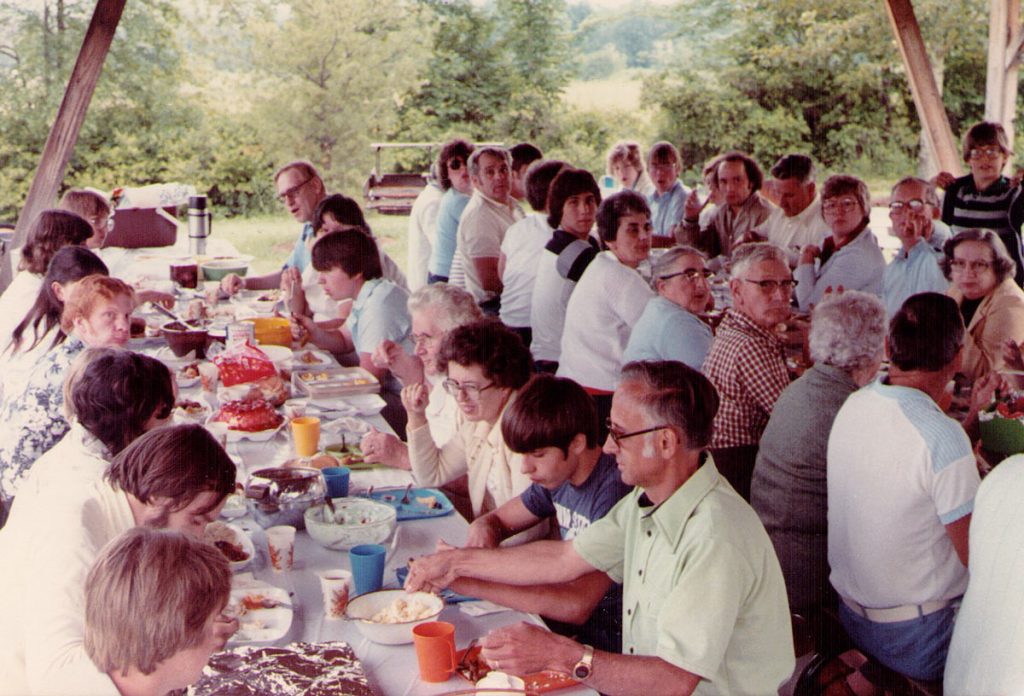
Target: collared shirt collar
748,325
509,206
670,517
920,247
364,293
677,186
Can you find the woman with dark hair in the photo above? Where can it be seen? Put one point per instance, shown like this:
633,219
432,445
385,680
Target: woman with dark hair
52,230
991,303
39,330
335,213
487,364
608,300
111,397
96,314
453,172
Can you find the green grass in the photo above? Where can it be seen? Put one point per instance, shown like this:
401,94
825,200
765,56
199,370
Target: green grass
270,238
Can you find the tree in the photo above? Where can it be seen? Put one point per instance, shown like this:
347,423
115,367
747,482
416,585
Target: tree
332,76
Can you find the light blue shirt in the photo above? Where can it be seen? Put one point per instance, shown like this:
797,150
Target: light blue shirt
448,215
379,313
857,266
909,274
301,255
667,208
666,331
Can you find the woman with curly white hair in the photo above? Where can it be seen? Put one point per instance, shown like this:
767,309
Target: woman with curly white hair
789,488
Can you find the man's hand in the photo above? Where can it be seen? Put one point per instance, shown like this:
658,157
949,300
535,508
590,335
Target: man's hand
223,628
383,448
482,534
943,180
693,206
387,354
1012,355
431,573
525,648
232,283
809,253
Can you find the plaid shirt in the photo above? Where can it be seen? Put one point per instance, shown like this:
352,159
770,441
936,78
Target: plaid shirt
747,365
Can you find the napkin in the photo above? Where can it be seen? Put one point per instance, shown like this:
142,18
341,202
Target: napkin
481,608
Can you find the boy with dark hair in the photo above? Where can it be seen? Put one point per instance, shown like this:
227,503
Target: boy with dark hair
572,206
669,196
523,155
553,424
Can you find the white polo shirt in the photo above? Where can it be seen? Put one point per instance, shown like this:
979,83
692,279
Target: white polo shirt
599,319
899,470
524,241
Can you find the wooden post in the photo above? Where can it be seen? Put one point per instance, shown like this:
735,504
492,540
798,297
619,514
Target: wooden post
64,132
1010,65
927,99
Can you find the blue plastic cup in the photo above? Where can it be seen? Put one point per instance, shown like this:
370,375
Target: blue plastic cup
336,478
368,566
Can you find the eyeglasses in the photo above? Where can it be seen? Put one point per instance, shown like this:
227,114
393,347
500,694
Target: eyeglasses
618,436
691,274
985,152
915,205
293,191
843,204
976,266
455,165
421,338
770,286
472,391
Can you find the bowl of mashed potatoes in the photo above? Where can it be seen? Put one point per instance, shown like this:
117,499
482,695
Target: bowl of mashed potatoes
388,616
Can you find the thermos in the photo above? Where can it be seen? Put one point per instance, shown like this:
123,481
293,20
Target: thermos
200,224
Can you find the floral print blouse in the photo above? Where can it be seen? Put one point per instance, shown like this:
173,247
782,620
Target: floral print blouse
32,421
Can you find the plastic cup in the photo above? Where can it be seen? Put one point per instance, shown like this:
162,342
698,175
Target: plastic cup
367,562
337,587
435,650
306,433
336,478
281,545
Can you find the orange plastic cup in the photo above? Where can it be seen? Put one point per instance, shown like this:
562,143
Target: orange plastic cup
306,433
435,650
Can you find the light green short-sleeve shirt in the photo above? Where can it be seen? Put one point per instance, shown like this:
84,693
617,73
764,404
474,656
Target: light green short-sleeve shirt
702,588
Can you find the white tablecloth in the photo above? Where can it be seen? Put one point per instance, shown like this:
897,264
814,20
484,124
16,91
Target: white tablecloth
392,670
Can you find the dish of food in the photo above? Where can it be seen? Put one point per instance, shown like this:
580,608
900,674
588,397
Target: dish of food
187,411
298,669
473,668
187,375
234,506
310,357
264,612
403,609
423,502
249,416
234,543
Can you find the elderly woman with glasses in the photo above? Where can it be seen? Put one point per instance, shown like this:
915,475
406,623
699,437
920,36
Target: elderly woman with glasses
670,328
789,486
849,259
991,304
487,364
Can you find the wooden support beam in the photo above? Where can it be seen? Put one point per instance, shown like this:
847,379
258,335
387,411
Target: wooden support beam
927,98
1004,45
64,132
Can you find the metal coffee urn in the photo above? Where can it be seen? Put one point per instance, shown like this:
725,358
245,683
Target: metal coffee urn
200,224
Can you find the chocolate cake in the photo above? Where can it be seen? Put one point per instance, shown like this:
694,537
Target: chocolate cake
315,669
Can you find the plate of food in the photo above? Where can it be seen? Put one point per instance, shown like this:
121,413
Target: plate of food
264,612
232,541
309,358
254,420
423,502
187,375
234,505
188,411
474,668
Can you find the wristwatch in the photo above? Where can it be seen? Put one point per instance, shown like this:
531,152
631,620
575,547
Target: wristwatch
582,669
